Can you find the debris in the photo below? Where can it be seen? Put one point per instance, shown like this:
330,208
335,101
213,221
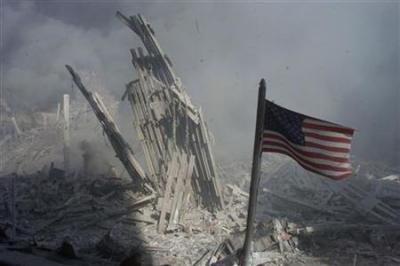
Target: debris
108,217
121,147
303,209
172,130
201,259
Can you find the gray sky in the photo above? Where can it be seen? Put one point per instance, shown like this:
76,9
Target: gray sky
334,60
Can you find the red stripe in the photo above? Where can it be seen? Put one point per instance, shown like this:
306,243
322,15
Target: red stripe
307,153
310,144
339,177
330,128
327,138
316,165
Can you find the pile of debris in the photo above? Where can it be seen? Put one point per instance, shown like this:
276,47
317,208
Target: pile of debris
303,217
107,217
362,197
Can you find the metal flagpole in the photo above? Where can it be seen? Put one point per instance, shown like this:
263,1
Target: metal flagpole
245,259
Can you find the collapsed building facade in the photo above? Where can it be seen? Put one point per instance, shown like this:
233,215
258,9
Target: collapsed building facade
172,130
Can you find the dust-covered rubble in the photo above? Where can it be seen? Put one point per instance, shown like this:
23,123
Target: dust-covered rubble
105,218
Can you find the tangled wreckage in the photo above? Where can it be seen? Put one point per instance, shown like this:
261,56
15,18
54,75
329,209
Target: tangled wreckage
176,212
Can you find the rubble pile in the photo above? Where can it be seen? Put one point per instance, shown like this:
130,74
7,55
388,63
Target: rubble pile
363,197
107,217
303,217
40,142
30,151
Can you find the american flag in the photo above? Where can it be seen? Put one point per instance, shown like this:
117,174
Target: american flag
319,146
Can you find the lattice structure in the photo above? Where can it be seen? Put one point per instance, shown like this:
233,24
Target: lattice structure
172,130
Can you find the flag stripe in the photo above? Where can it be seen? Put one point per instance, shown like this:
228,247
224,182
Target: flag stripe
315,121
326,133
328,128
323,147
330,144
337,175
275,135
331,167
327,138
311,154
344,162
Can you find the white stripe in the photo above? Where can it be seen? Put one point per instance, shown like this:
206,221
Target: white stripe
327,172
326,133
331,144
311,159
310,149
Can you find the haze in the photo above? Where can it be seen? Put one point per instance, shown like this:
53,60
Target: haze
333,60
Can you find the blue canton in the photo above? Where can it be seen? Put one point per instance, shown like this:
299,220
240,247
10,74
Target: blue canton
285,122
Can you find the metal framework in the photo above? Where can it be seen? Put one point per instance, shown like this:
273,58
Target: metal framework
172,130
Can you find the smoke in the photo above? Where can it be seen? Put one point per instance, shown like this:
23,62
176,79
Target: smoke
336,61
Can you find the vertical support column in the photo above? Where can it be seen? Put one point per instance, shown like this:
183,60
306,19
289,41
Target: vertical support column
66,133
